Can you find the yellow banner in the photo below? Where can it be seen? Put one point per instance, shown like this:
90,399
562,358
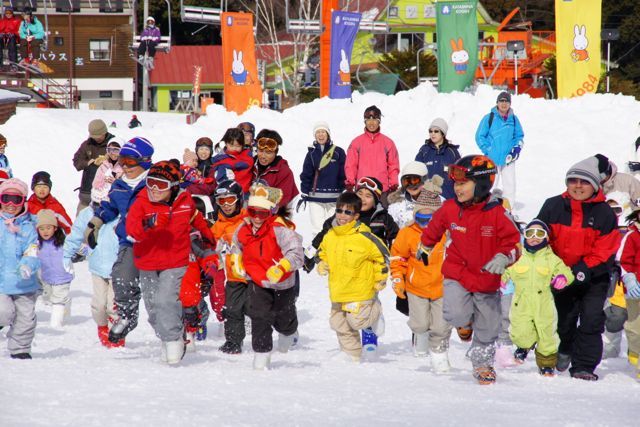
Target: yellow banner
578,25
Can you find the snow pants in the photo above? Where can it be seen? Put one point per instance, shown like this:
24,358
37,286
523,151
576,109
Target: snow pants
19,313
319,213
482,310
348,324
126,287
504,338
160,291
237,305
581,322
632,325
425,316
147,46
59,293
103,309
34,45
8,40
271,309
506,181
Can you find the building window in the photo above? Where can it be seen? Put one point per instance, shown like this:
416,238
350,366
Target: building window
99,50
105,94
58,41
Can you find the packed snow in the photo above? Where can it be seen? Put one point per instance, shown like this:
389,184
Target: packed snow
73,380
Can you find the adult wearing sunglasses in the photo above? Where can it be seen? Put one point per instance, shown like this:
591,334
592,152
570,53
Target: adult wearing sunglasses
614,180
270,168
204,151
584,235
373,154
135,159
500,137
437,153
88,158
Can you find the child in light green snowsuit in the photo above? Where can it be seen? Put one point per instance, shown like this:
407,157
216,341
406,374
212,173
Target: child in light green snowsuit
533,314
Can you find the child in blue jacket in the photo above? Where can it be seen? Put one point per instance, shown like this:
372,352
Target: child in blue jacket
18,265
4,161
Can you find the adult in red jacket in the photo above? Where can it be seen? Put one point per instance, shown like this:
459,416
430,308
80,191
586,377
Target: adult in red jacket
9,35
373,154
584,234
271,169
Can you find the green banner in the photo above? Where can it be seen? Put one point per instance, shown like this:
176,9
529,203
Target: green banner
457,30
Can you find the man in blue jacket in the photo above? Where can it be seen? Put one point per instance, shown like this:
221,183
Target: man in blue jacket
500,137
135,158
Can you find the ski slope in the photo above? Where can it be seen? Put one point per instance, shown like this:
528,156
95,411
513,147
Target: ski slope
72,380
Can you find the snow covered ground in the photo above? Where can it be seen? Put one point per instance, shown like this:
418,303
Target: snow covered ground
72,380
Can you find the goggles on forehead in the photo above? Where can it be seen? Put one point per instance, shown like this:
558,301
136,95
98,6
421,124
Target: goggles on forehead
258,213
267,144
226,200
159,184
369,184
539,233
12,199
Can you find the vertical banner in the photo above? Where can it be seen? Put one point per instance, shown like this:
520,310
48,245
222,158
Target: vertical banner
240,72
457,32
344,28
325,44
578,25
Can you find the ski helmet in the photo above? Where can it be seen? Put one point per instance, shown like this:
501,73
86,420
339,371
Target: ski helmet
477,168
226,189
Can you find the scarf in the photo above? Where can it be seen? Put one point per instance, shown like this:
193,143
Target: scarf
133,182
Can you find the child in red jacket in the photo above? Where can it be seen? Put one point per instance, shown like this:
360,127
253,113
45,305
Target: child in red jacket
42,199
483,242
630,263
235,161
159,223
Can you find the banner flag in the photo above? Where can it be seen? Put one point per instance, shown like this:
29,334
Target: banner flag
344,28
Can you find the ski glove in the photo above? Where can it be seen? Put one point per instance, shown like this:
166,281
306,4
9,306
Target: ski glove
191,316
67,265
633,287
422,253
276,272
380,278
514,154
559,282
507,288
323,268
237,266
25,272
581,272
398,287
498,264
91,232
100,159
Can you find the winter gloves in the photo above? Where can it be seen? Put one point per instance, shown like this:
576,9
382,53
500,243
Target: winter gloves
514,153
323,268
276,272
100,159
236,265
423,252
498,264
67,265
191,316
581,272
380,278
633,287
559,282
91,232
399,287
25,271
155,220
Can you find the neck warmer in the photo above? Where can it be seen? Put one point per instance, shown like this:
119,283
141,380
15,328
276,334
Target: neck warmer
133,182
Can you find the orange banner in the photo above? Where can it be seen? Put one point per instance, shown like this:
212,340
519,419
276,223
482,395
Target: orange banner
241,83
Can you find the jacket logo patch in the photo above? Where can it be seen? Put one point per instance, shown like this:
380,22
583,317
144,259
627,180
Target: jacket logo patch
487,231
456,227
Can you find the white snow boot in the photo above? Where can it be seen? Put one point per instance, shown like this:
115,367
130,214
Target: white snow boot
247,325
261,361
440,362
190,342
67,310
174,351
285,342
421,345
57,316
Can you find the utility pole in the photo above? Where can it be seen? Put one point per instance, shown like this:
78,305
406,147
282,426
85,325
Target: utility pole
145,71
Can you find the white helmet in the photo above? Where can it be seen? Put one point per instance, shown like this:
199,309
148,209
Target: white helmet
414,168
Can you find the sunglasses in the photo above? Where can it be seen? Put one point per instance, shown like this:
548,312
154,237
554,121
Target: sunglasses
411,180
458,173
371,117
12,199
267,144
226,200
423,219
129,162
369,184
113,150
504,100
258,213
348,212
434,131
539,233
159,184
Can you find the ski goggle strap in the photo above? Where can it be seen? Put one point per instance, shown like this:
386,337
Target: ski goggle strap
267,144
12,199
369,184
540,233
258,213
159,184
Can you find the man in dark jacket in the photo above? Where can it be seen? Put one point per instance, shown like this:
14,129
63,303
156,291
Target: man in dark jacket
89,157
584,235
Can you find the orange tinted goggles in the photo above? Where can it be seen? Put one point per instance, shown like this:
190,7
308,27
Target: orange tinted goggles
458,173
129,162
226,200
258,212
267,144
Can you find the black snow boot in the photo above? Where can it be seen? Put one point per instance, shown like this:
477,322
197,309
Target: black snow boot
23,356
230,347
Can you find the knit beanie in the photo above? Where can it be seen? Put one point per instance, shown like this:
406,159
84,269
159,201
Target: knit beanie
544,242
14,186
138,148
261,196
539,222
321,126
113,143
166,169
587,170
189,155
430,196
97,128
440,124
46,217
41,178
204,141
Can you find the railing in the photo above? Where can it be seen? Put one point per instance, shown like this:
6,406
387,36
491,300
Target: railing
64,6
62,94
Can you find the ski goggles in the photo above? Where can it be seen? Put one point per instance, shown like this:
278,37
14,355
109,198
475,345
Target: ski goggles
258,213
369,184
12,199
159,184
267,144
423,218
348,212
411,180
538,233
113,150
226,200
129,162
458,173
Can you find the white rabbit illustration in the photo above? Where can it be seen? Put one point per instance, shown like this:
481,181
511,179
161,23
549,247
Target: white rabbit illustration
459,56
238,72
345,68
580,43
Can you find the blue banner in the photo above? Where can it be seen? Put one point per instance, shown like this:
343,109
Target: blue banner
344,28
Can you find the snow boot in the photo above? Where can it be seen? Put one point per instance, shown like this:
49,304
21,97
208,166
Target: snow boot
247,325
57,316
119,330
369,344
485,375
584,375
465,333
201,332
421,345
230,348
520,355
504,357
612,342
440,362
564,360
261,361
22,356
103,335
294,341
174,351
547,372
285,342
190,341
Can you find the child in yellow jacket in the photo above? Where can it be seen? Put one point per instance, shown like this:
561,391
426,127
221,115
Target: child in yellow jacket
356,262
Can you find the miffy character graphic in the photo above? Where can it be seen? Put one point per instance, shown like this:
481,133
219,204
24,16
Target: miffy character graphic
345,69
580,43
459,56
238,72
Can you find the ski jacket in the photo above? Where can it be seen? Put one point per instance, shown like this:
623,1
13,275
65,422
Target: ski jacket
18,247
582,231
163,243
265,248
121,196
278,175
100,188
10,26
623,182
375,155
52,203
34,28
497,140
326,184
476,234
437,160
52,269
4,164
240,163
223,230
150,34
206,171
422,280
88,150
630,251
356,258
102,258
